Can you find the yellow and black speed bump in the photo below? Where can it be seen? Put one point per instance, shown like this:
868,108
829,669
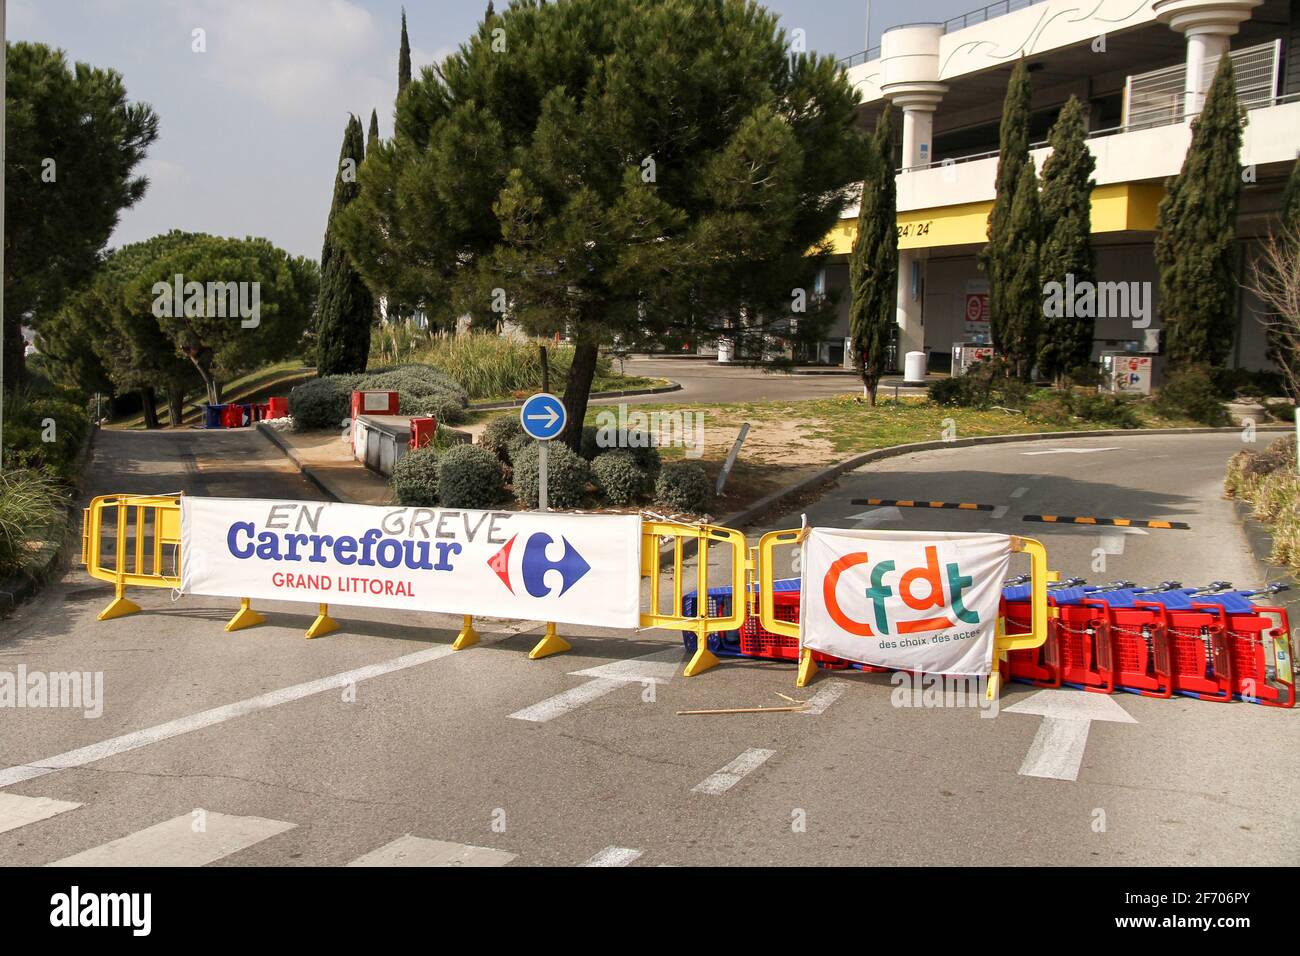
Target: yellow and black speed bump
914,503
1110,522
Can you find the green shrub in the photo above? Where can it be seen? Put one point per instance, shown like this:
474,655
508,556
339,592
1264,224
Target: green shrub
443,406
415,380
641,446
1191,393
45,428
620,478
499,433
986,384
567,476
469,476
415,478
30,506
324,402
683,487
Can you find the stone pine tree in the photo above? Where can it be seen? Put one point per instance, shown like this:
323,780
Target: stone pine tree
1066,203
346,307
608,196
873,267
1196,233
1013,156
1021,284
404,59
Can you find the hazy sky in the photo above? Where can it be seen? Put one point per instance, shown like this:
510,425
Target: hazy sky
250,130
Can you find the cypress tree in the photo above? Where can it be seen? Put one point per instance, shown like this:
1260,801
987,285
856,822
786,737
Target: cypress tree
1196,231
491,12
874,265
372,136
404,58
1291,199
345,306
1066,203
1021,284
1013,155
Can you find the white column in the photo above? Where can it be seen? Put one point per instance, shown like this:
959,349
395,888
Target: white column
910,67
1204,51
1207,25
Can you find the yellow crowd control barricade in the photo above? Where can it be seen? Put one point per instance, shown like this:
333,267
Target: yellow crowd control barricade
1003,642
135,541
678,535
132,541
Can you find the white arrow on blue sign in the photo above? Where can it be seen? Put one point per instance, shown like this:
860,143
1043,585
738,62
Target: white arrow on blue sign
543,416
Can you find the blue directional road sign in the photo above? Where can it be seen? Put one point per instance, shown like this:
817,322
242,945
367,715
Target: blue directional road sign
543,416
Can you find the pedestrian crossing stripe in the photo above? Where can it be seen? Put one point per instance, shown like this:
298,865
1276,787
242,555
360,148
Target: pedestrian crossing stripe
1110,522
916,503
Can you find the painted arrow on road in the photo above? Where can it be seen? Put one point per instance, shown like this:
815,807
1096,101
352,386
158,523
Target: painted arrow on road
1057,750
874,516
1070,451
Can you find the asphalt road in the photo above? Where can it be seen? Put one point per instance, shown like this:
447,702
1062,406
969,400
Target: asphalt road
707,382
483,756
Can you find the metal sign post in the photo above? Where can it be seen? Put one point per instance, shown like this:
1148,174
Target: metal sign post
543,417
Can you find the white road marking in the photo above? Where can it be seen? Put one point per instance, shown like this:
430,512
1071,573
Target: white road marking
1019,492
1057,750
417,851
657,668
829,692
18,811
1070,451
570,700
614,856
175,842
207,718
733,773
999,512
875,516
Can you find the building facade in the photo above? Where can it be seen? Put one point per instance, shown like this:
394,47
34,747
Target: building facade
1142,69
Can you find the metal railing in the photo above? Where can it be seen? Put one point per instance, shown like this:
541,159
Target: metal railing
984,14
866,56
1158,97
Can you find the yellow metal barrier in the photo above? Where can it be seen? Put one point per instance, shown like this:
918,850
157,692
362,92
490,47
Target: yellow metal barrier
1003,642
143,548
652,532
135,541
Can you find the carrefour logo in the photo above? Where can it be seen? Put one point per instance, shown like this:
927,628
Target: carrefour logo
909,600
535,565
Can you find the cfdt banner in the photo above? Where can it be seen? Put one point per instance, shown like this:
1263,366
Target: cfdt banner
911,600
574,569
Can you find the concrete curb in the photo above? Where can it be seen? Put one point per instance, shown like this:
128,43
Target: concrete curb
746,516
321,484
55,551
1260,539
628,393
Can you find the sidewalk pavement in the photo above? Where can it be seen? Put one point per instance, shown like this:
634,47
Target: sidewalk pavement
326,460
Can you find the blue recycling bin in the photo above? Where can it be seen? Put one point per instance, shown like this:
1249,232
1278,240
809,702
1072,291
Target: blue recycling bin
212,415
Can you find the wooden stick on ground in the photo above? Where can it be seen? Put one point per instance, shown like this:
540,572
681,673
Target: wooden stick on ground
742,710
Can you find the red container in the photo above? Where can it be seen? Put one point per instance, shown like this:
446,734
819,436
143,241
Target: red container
232,416
1139,644
758,641
277,408
373,403
1198,645
1254,640
1040,666
422,431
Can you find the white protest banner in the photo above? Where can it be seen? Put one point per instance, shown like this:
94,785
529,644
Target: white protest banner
573,569
911,600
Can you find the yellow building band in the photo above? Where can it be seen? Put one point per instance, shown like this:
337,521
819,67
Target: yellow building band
1119,207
